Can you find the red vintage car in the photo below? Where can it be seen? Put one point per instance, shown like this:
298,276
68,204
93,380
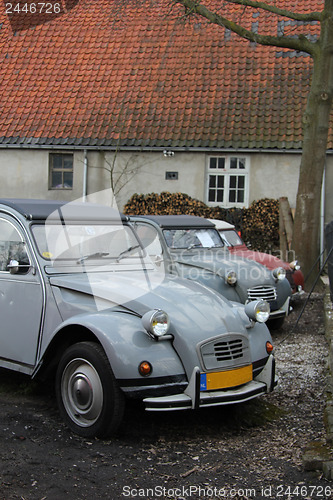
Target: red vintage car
237,247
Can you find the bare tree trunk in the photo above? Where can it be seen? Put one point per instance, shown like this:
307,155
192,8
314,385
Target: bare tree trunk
315,127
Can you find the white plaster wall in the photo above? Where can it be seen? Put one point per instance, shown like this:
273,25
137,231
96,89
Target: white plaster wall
145,173
25,174
274,176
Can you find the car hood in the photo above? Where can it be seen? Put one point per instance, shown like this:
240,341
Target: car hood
267,260
191,306
219,264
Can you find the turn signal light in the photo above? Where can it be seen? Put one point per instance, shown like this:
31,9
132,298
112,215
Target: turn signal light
269,347
145,368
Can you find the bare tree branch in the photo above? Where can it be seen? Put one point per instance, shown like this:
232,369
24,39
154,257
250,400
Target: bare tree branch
311,16
300,43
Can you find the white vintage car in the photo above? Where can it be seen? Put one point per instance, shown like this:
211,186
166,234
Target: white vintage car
82,305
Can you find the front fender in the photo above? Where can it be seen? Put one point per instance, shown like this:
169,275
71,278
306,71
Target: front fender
126,344
283,292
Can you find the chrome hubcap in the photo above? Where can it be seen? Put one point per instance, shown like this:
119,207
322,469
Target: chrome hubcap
82,392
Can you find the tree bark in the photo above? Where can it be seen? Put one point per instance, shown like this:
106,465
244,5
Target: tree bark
315,128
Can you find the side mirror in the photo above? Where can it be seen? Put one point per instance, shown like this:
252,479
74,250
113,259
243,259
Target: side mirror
14,267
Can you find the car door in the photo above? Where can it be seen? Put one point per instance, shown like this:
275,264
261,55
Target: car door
21,299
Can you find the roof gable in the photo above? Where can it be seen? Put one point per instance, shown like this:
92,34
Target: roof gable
134,74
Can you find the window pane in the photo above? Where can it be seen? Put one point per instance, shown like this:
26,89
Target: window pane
11,245
56,180
240,197
68,179
232,195
211,195
241,181
212,162
220,195
233,181
212,181
68,162
220,181
233,162
57,161
241,163
221,162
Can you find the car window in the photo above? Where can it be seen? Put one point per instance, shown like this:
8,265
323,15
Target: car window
12,247
193,238
76,242
231,238
149,238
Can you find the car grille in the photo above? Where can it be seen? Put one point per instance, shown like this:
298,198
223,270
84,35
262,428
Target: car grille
262,292
226,351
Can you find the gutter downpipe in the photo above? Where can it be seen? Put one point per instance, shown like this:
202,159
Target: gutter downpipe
85,175
322,218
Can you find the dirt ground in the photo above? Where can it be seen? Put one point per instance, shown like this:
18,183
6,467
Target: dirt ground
246,451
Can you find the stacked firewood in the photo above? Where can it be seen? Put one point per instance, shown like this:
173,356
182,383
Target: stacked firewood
261,224
165,203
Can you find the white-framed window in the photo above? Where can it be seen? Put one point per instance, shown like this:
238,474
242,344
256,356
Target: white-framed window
61,170
227,181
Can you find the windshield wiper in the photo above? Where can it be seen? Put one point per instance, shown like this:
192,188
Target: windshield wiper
194,245
124,252
92,256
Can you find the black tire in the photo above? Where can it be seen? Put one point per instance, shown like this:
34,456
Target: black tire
275,324
88,395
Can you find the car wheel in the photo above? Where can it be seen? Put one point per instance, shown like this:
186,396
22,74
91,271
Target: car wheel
275,324
88,395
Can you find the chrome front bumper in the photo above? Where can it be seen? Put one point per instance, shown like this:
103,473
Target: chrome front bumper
282,312
193,397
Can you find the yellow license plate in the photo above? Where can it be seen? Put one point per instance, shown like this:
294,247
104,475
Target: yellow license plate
223,380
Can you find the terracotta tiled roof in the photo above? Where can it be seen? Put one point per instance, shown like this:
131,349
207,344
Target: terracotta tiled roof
132,73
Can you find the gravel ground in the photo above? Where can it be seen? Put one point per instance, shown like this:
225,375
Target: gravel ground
243,452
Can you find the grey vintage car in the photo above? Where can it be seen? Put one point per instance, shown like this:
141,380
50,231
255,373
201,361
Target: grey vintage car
82,304
191,247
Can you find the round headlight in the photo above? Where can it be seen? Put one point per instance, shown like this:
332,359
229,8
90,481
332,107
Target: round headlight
279,273
295,265
258,310
156,322
231,278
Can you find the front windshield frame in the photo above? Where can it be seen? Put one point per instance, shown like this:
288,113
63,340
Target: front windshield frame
85,243
192,238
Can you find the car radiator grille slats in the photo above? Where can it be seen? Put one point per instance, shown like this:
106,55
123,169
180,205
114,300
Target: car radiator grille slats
227,351
262,292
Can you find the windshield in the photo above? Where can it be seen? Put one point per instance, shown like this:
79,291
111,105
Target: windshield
78,243
193,238
231,238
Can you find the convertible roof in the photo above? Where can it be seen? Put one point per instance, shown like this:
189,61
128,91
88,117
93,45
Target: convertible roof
221,224
55,210
179,221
